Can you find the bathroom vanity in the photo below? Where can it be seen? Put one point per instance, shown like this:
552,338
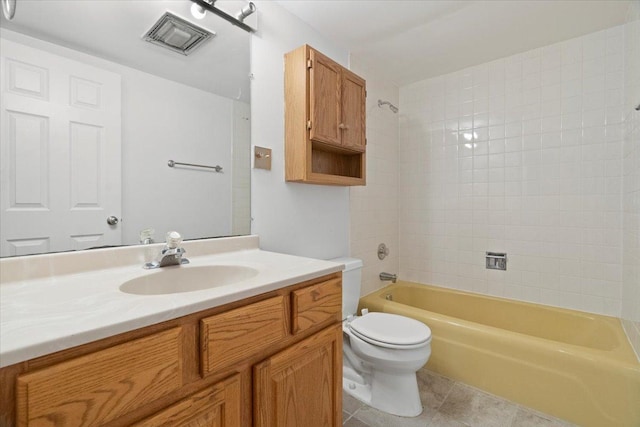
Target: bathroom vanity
266,352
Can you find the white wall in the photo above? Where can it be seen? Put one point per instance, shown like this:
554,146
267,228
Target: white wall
631,186
540,177
374,207
301,219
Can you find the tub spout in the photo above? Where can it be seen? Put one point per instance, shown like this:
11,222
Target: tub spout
388,276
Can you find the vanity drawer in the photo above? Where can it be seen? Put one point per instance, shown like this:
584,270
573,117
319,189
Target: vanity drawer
234,335
99,387
315,304
218,405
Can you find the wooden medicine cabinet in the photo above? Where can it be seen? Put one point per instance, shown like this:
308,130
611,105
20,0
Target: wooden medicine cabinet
325,138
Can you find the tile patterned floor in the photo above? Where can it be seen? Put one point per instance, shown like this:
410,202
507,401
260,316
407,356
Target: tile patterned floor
449,403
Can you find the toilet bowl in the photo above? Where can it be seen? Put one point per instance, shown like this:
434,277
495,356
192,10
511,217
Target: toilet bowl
381,352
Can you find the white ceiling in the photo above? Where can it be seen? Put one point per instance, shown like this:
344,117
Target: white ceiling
408,41
405,41
113,29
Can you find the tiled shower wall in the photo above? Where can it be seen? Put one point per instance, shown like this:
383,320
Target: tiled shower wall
631,185
521,155
374,208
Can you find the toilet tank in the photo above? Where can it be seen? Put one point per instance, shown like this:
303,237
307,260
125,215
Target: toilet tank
351,281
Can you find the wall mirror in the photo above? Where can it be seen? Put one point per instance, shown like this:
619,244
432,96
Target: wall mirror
92,114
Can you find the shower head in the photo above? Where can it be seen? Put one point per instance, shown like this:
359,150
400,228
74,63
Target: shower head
391,106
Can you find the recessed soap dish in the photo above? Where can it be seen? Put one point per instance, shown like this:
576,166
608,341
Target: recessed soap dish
496,261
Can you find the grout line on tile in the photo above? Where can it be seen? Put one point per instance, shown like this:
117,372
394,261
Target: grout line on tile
356,411
348,418
448,393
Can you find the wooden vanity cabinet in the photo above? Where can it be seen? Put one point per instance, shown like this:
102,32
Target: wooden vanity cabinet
325,120
229,366
302,385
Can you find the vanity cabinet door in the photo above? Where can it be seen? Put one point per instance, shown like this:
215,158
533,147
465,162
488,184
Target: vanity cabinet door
325,85
215,406
354,98
337,100
302,385
97,388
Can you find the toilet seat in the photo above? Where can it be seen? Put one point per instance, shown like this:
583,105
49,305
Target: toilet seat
390,330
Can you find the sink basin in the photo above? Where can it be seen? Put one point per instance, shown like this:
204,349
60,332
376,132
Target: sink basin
172,280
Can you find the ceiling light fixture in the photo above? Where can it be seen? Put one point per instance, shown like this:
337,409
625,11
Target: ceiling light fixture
246,11
9,9
197,11
200,7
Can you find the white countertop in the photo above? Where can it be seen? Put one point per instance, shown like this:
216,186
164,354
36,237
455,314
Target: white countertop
42,315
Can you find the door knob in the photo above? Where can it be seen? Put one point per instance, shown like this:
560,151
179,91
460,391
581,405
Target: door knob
112,220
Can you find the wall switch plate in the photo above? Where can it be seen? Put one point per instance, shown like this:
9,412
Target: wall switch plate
261,158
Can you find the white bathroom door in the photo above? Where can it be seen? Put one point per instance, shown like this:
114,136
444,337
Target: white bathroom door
60,153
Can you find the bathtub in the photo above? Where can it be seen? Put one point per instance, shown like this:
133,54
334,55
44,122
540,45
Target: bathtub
576,366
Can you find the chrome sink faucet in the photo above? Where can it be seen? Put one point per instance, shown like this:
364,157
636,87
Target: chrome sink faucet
171,254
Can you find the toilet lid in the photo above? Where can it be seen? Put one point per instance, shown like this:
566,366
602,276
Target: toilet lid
391,329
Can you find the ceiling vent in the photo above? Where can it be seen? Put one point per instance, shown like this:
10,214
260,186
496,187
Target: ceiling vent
177,34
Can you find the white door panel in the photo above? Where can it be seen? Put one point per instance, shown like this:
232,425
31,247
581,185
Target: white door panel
60,166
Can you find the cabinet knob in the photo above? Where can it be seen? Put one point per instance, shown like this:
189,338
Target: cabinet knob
343,126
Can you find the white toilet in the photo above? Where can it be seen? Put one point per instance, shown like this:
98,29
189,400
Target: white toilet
381,351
